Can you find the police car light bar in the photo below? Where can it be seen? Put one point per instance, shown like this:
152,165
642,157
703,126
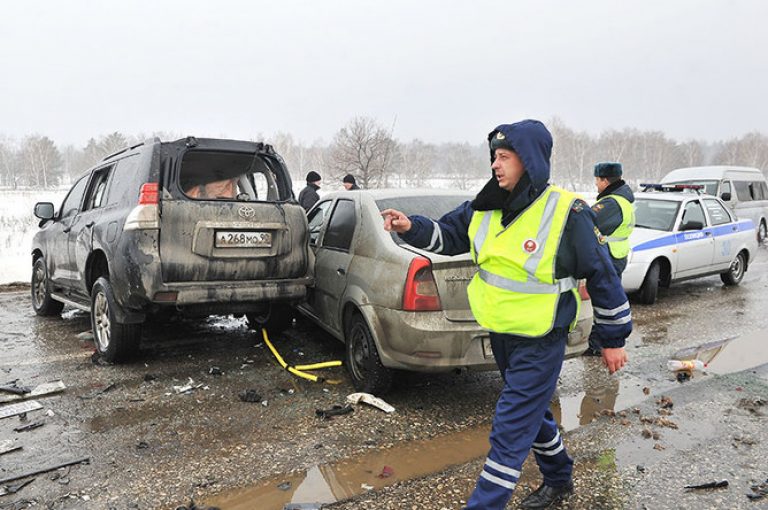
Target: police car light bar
671,187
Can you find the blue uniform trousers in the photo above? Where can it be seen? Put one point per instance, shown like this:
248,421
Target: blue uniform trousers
523,421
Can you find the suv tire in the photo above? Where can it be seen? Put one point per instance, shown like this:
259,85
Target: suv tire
650,287
114,341
277,318
736,271
42,302
362,359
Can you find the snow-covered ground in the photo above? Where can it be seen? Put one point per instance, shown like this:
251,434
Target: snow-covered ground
17,226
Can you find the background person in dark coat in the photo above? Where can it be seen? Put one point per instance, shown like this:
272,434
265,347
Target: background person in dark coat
349,182
308,196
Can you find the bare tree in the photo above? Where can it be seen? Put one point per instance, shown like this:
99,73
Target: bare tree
363,148
41,161
416,160
9,165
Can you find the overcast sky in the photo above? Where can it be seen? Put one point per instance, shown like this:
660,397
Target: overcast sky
435,70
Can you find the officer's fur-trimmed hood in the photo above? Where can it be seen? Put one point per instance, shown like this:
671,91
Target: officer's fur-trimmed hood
532,142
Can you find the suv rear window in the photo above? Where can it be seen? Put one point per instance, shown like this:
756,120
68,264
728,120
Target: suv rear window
217,175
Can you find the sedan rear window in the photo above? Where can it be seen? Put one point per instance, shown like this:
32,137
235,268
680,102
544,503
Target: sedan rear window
218,175
656,214
433,206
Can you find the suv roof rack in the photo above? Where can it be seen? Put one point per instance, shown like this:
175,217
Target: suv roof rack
672,187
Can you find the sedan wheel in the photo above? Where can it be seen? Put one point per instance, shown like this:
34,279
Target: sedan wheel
736,272
363,362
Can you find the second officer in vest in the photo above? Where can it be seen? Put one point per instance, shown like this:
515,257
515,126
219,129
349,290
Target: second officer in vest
531,241
615,216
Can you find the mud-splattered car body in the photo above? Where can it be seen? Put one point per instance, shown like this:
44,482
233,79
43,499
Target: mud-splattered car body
197,225
396,306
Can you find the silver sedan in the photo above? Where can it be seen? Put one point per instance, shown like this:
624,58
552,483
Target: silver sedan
393,305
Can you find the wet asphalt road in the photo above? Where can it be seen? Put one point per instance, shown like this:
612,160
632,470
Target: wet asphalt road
150,447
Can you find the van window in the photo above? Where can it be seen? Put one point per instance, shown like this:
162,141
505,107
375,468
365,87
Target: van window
725,187
756,190
220,175
742,191
717,212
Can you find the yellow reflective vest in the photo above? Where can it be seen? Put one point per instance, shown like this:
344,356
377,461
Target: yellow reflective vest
514,290
618,241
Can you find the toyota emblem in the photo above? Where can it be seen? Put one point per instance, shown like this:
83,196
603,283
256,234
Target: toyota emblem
246,212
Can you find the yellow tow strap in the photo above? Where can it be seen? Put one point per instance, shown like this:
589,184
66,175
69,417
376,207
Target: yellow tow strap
299,370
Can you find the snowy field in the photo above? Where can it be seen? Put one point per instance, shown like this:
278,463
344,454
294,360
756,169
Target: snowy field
17,226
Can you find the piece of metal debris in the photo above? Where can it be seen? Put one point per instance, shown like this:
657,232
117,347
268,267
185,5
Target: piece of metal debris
83,460
758,491
14,488
336,410
30,426
709,485
19,408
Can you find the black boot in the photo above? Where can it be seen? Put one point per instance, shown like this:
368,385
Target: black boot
546,496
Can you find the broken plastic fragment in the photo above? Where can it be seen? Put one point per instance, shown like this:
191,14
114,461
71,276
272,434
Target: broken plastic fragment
336,410
355,398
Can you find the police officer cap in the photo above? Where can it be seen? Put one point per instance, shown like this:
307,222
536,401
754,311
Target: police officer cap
313,176
608,170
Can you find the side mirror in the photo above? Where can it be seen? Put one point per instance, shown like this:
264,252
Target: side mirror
44,210
692,225
726,196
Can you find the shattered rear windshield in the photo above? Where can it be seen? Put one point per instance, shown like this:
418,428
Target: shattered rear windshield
235,176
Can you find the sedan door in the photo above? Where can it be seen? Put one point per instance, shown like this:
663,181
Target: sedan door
332,260
695,248
725,232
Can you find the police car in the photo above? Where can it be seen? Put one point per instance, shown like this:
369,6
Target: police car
681,234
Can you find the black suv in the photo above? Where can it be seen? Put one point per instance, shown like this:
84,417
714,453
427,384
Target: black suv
198,225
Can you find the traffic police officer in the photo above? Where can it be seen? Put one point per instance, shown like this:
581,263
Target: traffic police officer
615,219
531,242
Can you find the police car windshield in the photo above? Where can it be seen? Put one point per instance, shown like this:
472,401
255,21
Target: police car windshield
710,186
655,214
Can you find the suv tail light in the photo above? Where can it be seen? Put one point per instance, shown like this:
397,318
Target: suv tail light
583,290
420,293
145,214
149,194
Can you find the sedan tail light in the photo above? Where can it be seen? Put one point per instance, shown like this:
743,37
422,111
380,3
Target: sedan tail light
420,293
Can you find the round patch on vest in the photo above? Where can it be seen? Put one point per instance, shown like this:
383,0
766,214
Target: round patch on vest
530,245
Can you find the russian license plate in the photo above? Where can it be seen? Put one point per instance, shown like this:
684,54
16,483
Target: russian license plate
243,239
487,351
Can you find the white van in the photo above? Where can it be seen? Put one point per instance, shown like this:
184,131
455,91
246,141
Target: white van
744,189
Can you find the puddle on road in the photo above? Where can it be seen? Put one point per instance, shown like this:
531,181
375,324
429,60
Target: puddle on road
340,480
742,353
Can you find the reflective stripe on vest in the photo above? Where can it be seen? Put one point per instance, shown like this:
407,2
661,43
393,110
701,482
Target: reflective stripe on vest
515,290
618,241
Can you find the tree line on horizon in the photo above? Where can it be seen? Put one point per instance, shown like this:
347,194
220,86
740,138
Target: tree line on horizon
366,149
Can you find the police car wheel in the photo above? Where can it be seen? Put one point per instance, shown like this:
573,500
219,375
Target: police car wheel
762,232
650,287
736,272
368,374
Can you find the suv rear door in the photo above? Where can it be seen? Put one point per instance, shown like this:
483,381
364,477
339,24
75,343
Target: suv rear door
227,213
